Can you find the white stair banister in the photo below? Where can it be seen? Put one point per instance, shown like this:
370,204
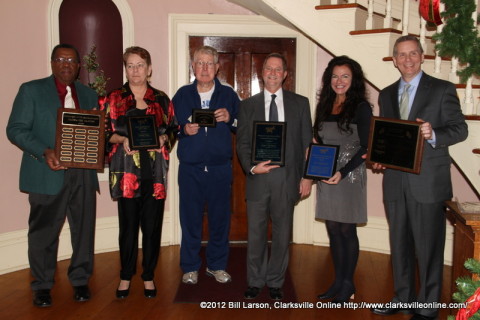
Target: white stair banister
423,33
388,21
369,23
438,59
406,14
468,100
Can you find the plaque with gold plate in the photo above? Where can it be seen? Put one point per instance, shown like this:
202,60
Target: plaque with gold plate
80,138
396,144
269,142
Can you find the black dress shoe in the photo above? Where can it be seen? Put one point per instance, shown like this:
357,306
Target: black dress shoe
417,316
42,298
276,293
390,311
82,293
251,293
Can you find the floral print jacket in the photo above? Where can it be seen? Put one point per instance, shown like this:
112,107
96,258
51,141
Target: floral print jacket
125,177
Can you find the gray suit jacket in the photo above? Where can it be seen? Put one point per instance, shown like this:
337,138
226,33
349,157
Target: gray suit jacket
298,138
436,101
32,126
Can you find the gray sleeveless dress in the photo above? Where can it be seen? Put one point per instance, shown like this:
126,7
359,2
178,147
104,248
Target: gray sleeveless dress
346,201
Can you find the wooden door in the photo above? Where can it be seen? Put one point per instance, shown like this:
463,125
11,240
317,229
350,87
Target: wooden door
241,61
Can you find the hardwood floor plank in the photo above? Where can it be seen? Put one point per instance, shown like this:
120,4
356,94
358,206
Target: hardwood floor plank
310,267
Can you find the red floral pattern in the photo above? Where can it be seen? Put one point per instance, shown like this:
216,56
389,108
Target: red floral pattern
129,185
159,191
123,167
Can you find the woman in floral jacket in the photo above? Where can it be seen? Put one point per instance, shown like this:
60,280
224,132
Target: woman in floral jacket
138,178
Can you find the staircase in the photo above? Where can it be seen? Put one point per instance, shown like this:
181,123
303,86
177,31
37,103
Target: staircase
366,31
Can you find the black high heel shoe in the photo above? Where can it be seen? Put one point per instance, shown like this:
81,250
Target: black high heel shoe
122,294
344,295
150,293
330,293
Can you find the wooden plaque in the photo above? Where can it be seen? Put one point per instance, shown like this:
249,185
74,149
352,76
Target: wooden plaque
80,138
396,144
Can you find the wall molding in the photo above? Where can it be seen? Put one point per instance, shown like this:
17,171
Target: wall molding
13,245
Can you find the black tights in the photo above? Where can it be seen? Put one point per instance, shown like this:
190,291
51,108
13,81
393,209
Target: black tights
344,249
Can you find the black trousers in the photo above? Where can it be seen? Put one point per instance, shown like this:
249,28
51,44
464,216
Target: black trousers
146,213
76,201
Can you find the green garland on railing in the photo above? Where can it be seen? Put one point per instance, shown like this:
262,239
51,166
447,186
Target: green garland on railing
459,37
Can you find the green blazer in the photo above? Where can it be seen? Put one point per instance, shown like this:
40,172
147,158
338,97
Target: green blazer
32,126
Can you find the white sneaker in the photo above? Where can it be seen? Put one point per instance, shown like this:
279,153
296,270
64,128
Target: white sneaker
220,275
190,277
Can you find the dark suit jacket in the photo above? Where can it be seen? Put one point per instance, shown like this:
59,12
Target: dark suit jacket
32,126
436,101
299,136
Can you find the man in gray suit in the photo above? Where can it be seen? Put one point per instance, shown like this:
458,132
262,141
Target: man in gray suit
415,203
272,191
54,192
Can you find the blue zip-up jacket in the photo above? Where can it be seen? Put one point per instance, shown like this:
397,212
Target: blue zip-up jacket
213,147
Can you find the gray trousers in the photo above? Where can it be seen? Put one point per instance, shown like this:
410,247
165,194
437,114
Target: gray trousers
417,234
275,205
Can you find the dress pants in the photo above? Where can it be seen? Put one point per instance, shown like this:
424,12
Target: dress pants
272,204
76,201
144,212
200,188
417,232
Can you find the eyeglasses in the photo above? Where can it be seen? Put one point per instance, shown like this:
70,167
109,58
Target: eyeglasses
201,64
135,66
65,60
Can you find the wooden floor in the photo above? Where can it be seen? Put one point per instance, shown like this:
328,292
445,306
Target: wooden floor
310,267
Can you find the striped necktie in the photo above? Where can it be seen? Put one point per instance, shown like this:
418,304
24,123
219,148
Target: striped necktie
404,103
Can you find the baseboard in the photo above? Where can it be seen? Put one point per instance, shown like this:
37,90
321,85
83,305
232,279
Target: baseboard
374,237
13,245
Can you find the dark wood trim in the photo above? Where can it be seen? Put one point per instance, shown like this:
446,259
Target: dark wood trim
348,6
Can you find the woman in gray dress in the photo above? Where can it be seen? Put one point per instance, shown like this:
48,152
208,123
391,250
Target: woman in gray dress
343,118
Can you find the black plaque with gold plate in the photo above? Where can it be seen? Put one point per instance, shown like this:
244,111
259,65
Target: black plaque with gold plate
204,118
396,144
269,142
142,132
80,138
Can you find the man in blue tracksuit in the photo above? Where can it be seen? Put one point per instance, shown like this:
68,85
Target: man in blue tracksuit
205,171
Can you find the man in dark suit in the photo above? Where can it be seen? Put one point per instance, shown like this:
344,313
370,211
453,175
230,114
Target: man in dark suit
273,191
415,203
54,192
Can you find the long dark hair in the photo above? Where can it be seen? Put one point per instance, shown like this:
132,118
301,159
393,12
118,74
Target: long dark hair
355,94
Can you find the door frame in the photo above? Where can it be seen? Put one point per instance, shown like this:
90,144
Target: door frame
181,26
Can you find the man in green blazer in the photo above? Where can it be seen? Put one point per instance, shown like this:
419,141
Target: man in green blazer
54,192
